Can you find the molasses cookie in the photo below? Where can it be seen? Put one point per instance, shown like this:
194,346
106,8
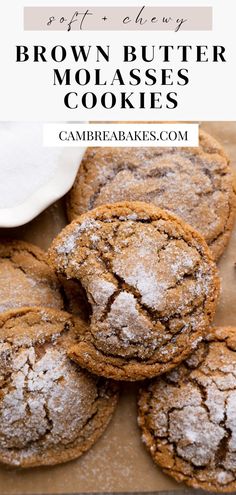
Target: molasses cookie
151,284
26,279
188,417
51,411
193,183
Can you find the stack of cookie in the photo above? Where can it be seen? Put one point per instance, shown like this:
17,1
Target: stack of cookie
135,270
51,411
147,227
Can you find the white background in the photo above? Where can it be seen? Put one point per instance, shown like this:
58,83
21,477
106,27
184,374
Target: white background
27,91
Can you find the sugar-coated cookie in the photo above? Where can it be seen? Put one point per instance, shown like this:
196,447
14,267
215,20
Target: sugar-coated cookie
26,279
51,411
188,417
150,282
193,183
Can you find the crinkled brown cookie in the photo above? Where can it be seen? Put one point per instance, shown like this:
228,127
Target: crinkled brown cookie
188,417
51,411
151,284
193,183
26,279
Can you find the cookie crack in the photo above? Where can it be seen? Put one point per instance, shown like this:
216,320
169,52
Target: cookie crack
203,394
123,285
121,168
221,452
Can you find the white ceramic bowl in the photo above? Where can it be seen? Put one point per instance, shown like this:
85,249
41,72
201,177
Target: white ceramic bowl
66,165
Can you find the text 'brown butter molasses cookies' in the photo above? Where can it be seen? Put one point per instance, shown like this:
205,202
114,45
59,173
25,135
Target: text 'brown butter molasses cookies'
193,183
26,279
188,417
51,411
151,284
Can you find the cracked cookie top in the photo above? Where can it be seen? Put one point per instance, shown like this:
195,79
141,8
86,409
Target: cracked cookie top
188,417
51,411
26,279
150,282
193,183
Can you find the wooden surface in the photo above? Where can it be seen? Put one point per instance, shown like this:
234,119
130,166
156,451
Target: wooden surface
118,462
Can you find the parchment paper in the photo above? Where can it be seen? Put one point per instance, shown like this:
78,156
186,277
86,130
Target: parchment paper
119,461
